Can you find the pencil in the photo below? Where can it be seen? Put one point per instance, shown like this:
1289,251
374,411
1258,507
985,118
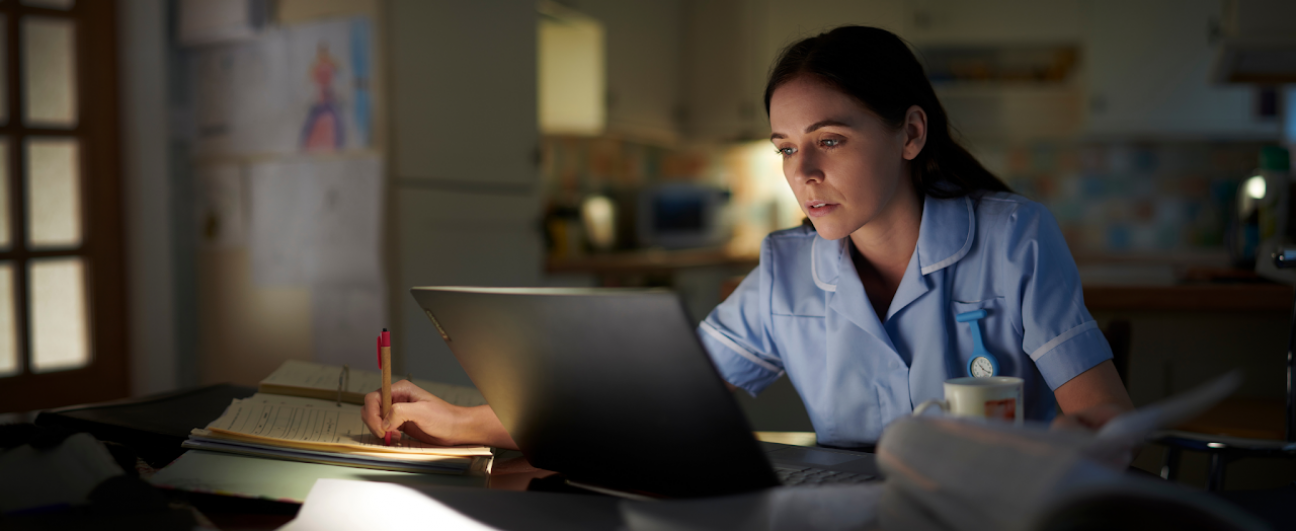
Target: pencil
384,363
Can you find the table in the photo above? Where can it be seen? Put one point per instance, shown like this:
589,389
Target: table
136,420
156,425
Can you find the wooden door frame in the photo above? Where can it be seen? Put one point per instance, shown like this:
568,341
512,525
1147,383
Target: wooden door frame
107,375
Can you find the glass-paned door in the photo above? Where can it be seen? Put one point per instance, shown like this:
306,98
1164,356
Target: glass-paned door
61,295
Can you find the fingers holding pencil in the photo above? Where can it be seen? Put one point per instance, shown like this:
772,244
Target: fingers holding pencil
382,425
416,413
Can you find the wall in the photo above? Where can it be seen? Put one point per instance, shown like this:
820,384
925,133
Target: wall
147,193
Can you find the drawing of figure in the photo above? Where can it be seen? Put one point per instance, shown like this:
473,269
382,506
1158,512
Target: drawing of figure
323,130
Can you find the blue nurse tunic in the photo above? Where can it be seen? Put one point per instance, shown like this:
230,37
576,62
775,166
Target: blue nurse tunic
804,312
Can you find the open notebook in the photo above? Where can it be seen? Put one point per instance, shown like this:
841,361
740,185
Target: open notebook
314,380
313,430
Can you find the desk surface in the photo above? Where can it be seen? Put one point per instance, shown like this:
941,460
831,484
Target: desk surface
220,473
239,491
155,425
276,480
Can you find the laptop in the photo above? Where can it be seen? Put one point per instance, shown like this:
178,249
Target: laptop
612,389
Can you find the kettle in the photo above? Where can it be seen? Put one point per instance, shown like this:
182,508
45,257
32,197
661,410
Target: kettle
1264,216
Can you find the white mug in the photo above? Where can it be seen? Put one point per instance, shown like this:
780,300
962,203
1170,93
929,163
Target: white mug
993,397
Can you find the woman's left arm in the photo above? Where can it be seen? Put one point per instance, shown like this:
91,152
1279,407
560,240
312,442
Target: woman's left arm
1058,332
1091,399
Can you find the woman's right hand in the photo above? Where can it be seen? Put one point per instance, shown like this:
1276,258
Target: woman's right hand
428,418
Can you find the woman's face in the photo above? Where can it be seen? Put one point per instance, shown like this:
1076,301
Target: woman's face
844,164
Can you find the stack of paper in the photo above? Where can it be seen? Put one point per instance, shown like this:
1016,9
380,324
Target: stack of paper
308,412
949,473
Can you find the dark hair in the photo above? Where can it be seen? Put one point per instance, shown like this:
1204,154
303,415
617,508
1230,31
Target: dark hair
876,68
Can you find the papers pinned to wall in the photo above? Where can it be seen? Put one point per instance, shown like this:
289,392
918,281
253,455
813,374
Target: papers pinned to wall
220,212
344,319
213,21
300,88
317,223
279,127
286,198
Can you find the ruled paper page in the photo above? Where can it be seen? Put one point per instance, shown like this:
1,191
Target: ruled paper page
291,422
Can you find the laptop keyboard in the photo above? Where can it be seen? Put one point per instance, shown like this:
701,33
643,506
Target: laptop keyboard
791,476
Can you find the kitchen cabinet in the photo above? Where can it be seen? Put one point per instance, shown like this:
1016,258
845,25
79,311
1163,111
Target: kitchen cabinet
462,169
991,22
440,240
1144,66
644,44
1147,69
444,103
722,89
1018,111
732,44
572,68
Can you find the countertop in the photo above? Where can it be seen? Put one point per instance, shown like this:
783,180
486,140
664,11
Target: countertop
1191,297
1147,289
648,261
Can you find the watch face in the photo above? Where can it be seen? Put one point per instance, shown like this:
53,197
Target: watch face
981,367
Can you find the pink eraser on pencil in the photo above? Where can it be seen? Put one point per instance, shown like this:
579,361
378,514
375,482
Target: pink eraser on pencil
387,438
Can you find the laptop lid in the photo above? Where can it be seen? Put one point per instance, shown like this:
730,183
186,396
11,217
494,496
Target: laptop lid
607,386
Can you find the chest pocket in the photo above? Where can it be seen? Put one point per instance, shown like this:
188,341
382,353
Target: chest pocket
999,331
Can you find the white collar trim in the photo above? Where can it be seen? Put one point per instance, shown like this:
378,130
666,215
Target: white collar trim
967,245
814,267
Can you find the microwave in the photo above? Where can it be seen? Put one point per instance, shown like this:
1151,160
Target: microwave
682,215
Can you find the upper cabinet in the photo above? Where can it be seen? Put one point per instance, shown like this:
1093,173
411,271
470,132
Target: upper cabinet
1148,68
732,44
439,114
1143,66
644,46
722,85
696,70
570,61
991,22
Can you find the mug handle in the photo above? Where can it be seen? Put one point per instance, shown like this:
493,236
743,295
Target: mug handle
918,411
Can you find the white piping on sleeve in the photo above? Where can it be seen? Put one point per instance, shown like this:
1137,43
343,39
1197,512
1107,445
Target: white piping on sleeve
814,268
966,245
734,346
1077,330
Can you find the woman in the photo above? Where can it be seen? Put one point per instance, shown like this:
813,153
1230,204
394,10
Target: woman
906,230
